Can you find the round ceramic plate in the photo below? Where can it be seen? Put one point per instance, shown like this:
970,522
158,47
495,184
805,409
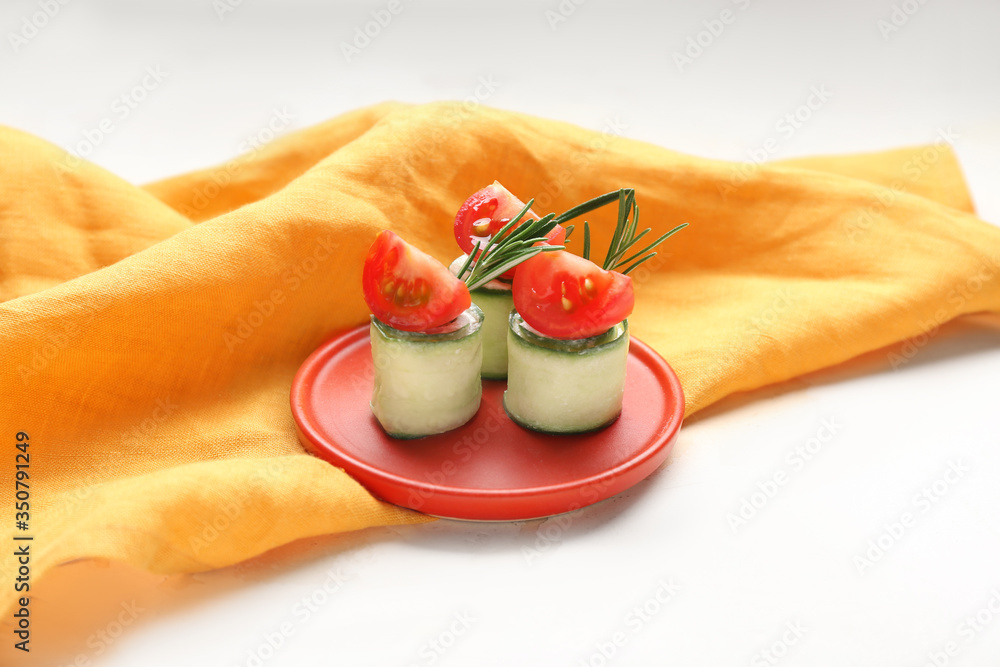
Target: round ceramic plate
490,469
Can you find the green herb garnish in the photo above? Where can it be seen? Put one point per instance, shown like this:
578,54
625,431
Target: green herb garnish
587,206
507,248
624,238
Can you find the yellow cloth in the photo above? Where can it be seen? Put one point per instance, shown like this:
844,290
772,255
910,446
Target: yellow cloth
149,335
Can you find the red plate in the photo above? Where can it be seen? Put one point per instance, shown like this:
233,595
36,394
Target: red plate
491,469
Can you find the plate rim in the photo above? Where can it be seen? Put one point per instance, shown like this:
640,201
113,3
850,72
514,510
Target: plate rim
353,335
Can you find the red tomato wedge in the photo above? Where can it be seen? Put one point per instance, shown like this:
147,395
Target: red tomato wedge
565,296
408,289
485,213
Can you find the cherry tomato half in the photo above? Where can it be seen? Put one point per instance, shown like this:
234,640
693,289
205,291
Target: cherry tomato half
485,213
408,289
565,296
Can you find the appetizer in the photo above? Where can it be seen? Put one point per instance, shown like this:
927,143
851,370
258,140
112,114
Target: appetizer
481,216
426,334
568,336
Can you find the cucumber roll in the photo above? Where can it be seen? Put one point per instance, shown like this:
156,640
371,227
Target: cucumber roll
426,334
427,382
568,339
565,386
495,300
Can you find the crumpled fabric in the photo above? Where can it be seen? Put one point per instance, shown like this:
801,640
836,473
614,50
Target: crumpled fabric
150,335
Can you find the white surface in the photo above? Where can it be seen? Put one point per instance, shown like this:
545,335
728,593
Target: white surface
553,592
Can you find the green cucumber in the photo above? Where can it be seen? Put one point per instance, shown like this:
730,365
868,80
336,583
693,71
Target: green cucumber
427,382
564,386
496,302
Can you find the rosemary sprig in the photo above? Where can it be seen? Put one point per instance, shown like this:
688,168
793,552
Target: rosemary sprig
514,244
507,248
625,237
587,207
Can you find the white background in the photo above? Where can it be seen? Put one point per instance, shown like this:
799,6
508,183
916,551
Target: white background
557,591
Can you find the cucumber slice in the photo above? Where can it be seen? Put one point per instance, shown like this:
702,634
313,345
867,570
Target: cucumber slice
565,386
496,302
427,382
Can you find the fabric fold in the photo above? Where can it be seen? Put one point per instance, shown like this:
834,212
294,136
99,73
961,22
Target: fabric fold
150,334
